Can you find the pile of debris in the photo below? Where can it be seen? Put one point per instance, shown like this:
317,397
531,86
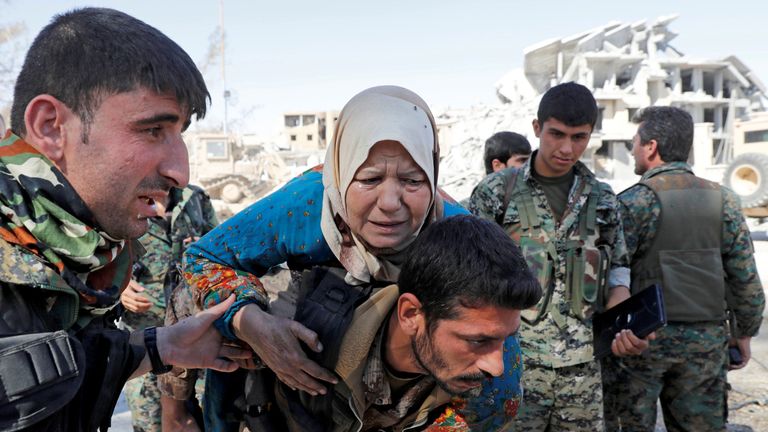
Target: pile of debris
462,135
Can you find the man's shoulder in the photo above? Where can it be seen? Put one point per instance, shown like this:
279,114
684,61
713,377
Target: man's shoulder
21,267
637,194
500,180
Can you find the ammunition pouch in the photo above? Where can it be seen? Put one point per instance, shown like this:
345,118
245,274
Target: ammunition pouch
587,277
541,261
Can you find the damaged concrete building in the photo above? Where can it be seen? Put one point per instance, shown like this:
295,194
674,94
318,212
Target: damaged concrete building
628,66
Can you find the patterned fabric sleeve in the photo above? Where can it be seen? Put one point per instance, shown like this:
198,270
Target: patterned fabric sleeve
740,268
284,226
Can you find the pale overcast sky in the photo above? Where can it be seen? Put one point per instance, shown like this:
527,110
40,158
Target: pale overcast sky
314,55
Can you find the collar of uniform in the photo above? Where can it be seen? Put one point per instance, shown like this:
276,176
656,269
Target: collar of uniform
667,167
580,169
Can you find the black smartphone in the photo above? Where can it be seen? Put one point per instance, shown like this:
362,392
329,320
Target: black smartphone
734,354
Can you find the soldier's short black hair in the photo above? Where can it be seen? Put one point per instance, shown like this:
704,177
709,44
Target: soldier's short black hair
466,261
570,103
87,54
502,145
671,127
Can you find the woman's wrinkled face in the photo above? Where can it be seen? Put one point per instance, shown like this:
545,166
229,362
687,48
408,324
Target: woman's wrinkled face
388,198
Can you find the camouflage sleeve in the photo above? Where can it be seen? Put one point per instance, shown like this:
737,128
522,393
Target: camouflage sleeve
612,233
741,271
179,383
639,211
487,197
209,214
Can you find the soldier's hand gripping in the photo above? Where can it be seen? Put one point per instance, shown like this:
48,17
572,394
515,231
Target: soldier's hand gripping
626,343
276,341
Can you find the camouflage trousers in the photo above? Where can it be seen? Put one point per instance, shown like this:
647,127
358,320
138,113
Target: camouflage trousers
143,399
561,399
684,368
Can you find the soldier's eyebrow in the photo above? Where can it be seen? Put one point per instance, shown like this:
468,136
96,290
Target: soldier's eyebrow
158,118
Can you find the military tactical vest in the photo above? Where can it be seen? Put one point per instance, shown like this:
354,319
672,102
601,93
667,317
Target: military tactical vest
685,256
586,266
60,370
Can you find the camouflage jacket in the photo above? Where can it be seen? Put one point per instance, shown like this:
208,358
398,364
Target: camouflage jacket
563,334
46,225
159,270
58,271
641,210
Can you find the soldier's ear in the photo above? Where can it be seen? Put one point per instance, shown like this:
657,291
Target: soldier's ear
409,314
497,165
652,147
49,126
536,127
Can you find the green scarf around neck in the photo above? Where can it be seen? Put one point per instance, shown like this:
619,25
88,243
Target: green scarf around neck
42,213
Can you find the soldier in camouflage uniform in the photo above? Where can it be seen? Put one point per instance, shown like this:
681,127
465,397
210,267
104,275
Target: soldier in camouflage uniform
188,216
98,112
568,226
689,235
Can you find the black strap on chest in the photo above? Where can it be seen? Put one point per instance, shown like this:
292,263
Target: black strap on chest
326,306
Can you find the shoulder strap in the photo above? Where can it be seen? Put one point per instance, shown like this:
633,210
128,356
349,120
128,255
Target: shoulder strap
326,305
510,177
588,223
522,195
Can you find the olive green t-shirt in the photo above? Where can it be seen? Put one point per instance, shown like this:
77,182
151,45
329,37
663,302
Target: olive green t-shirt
556,190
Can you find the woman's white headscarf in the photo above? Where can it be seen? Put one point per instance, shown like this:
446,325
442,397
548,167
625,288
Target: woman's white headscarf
373,115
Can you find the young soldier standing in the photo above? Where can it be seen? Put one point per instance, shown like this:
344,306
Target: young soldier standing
568,226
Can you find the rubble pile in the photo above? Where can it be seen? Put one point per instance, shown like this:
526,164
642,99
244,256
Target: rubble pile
462,139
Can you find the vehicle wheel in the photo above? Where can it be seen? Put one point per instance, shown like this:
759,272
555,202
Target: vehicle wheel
231,193
747,175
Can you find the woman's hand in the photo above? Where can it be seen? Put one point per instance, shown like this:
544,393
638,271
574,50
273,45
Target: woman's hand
276,341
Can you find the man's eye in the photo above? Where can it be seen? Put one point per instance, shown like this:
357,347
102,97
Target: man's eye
154,131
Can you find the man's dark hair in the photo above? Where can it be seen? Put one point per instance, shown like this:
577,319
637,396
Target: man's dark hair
502,145
87,54
671,127
466,261
570,103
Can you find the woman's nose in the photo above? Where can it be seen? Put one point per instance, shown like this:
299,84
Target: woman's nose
390,196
